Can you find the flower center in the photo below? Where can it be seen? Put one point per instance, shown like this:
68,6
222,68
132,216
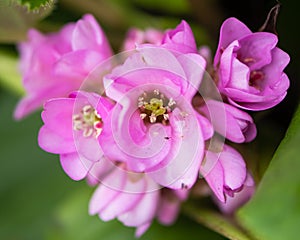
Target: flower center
88,121
256,77
155,107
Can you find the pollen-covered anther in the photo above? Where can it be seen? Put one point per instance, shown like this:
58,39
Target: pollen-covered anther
143,115
155,107
171,102
248,60
88,121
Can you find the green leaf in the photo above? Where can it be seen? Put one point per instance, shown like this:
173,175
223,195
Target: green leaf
10,78
274,211
36,5
16,19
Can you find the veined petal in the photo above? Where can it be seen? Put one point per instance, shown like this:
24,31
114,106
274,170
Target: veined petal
131,194
180,39
52,142
143,68
234,168
105,193
87,32
144,211
194,67
182,169
240,75
75,66
57,116
257,47
215,180
226,63
232,29
75,165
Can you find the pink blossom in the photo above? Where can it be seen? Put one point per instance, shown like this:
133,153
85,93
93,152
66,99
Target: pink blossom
169,204
137,37
153,127
131,198
135,200
71,127
238,126
250,67
55,64
239,198
180,39
224,171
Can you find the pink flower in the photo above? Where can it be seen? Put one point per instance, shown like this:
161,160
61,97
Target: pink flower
236,125
153,127
239,198
136,37
135,200
129,197
180,39
55,64
71,127
250,67
225,172
169,205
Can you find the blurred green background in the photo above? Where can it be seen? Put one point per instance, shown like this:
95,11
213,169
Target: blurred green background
38,201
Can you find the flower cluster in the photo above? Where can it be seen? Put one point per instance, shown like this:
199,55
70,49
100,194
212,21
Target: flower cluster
148,124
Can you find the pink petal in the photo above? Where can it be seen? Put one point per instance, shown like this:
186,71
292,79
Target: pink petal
119,143
232,29
75,66
104,194
57,116
143,68
26,106
129,197
194,67
234,168
180,39
273,72
61,41
168,210
206,127
75,166
52,142
255,102
88,35
142,229
225,66
88,147
182,170
136,37
99,171
240,198
143,212
257,46
240,74
234,124
215,180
